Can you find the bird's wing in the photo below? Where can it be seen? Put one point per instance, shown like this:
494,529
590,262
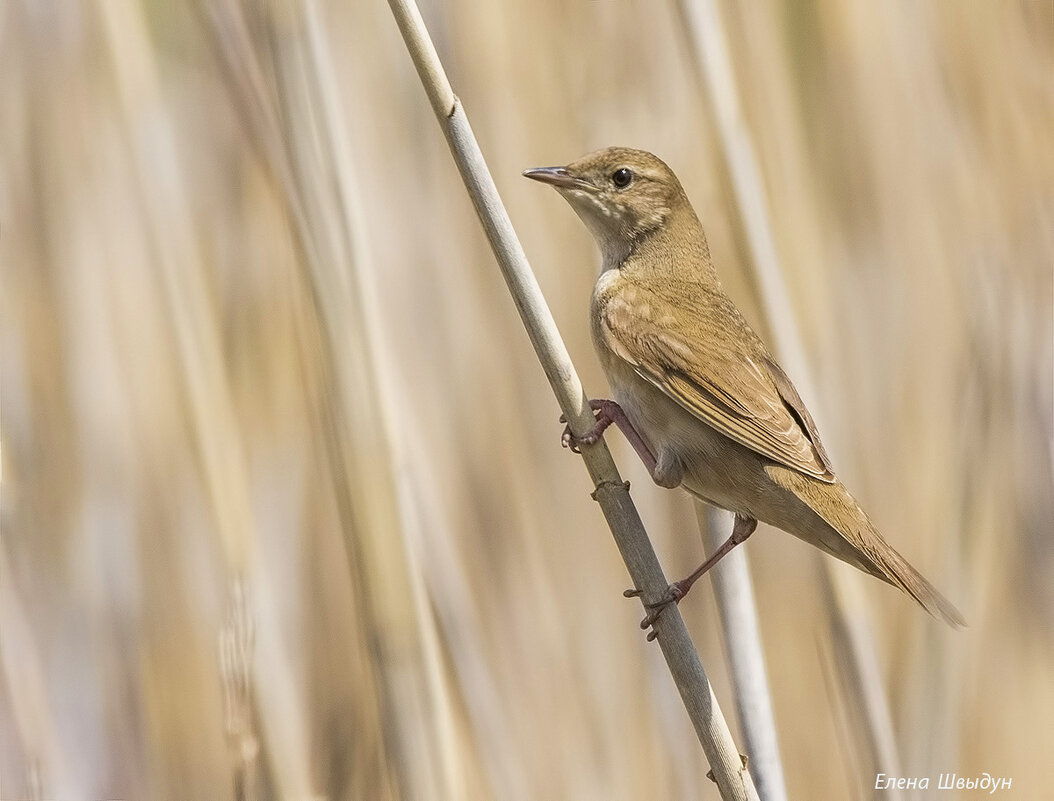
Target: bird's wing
727,381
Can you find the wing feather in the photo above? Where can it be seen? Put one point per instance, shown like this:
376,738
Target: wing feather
728,382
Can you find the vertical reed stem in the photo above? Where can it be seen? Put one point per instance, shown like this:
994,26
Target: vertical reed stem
746,659
732,778
708,42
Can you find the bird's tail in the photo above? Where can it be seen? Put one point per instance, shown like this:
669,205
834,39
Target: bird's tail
899,572
853,538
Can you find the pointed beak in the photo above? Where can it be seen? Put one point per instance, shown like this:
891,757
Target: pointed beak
558,177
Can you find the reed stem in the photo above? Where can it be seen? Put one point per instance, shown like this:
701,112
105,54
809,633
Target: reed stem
732,777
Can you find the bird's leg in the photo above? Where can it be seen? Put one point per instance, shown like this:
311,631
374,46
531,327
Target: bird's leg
741,529
608,412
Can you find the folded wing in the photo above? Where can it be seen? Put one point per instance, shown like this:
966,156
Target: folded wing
728,382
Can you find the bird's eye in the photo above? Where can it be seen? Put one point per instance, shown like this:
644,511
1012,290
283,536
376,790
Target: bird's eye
621,177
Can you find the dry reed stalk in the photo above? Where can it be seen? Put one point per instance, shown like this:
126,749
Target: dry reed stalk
741,633
306,149
25,683
251,88
434,707
237,638
733,779
849,751
850,629
195,328
460,620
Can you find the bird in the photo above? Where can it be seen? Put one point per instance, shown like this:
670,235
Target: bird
694,389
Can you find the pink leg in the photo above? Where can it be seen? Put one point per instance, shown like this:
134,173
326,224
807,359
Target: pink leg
608,412
741,529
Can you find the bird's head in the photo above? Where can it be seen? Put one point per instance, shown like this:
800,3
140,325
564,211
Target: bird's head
621,194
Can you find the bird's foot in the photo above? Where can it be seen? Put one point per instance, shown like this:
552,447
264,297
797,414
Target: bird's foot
743,527
605,412
673,595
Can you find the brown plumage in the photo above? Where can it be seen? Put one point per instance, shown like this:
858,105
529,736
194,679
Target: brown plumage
705,403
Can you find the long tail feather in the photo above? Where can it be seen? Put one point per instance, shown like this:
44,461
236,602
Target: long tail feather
900,573
851,536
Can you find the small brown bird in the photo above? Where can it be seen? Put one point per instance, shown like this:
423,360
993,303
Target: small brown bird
696,391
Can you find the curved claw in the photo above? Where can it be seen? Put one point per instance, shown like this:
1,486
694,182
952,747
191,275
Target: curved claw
673,595
569,440
591,437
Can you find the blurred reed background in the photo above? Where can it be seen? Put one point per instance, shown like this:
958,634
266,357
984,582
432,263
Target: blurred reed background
284,511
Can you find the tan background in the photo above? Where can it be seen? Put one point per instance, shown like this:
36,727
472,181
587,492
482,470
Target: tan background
311,377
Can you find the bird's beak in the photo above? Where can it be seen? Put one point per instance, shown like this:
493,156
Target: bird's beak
558,177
